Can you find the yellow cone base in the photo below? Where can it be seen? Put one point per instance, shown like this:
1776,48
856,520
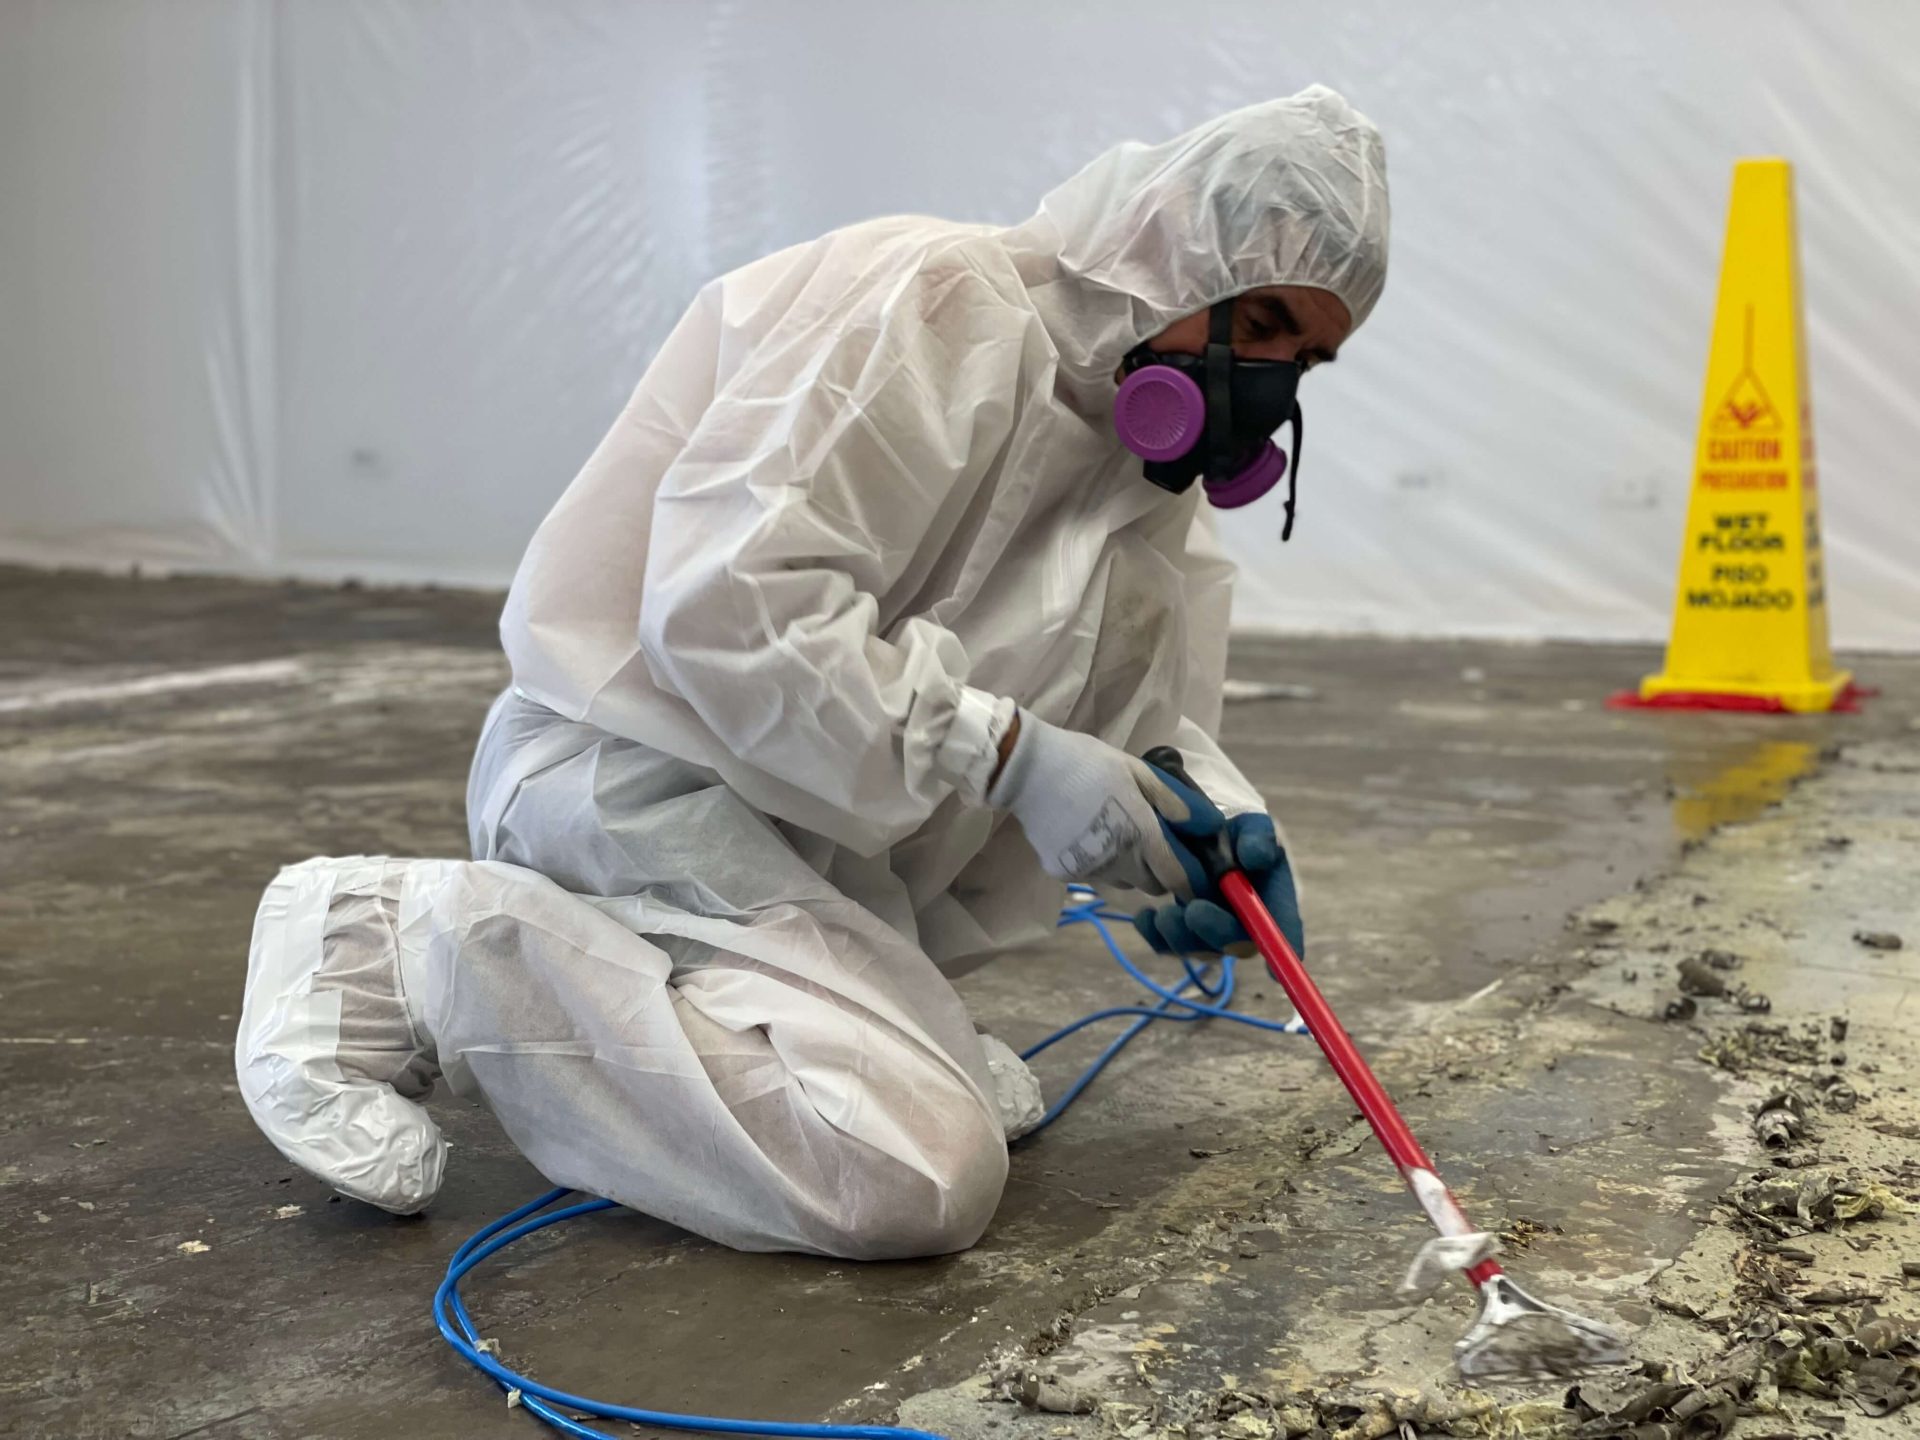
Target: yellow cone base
1813,697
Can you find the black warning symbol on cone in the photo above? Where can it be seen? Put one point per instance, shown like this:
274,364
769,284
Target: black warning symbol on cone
1746,409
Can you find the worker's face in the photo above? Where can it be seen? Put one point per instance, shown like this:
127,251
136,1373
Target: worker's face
1275,322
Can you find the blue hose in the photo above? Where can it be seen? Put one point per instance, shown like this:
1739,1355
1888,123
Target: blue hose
1213,1002
1088,909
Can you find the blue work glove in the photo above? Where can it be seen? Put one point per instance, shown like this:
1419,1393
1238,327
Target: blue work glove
1191,817
1204,926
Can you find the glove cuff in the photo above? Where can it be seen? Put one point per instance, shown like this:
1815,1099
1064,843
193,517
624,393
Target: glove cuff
969,752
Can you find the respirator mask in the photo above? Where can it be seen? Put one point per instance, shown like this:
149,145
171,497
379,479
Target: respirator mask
1211,417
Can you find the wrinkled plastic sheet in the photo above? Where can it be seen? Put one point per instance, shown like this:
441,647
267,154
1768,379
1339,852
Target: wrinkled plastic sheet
350,287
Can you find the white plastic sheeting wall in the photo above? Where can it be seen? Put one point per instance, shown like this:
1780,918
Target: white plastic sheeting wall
351,287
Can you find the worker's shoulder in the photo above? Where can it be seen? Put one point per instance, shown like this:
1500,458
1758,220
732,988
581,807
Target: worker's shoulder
925,255
888,281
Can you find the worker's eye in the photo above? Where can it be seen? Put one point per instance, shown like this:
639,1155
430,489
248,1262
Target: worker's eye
1261,325
1266,318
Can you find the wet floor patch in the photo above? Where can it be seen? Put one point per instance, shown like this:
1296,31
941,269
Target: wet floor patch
1448,805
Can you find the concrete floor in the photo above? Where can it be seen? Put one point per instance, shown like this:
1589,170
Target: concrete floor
164,746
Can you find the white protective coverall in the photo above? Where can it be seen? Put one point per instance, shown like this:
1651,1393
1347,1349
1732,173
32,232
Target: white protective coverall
728,824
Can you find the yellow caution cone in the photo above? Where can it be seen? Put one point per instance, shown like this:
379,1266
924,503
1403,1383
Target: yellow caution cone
1750,615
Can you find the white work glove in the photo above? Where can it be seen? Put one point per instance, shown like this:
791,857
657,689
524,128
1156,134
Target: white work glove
1096,815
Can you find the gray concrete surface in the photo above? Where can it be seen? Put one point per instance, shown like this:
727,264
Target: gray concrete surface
1208,1218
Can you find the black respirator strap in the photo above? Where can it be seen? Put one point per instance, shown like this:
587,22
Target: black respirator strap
1219,385
1293,468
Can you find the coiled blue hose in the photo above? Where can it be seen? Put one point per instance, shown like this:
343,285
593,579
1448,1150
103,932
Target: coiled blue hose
1214,982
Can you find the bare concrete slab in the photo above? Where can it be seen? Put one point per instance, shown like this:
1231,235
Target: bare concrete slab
166,745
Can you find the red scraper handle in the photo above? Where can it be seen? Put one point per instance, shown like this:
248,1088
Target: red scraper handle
1353,1071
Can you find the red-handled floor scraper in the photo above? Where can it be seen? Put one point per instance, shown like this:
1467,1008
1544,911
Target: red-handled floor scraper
1515,1337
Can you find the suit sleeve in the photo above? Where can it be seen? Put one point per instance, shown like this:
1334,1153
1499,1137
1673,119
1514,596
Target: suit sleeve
820,482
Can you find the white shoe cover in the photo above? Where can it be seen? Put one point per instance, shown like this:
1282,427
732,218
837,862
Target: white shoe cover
329,1060
1016,1092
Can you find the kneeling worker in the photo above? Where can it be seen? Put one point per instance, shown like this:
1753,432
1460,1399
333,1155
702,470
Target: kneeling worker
830,669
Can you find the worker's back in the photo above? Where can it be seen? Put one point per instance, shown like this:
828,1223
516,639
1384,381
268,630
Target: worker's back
863,407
